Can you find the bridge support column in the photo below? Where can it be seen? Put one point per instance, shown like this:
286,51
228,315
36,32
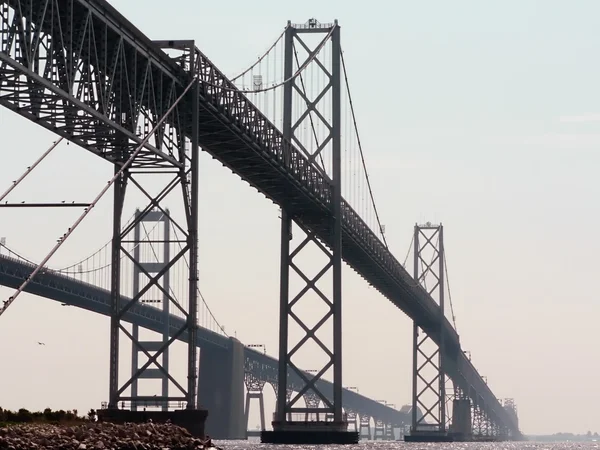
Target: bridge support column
404,430
482,426
388,433
510,406
351,416
329,343
461,427
175,152
365,427
429,375
288,396
221,391
254,390
312,402
379,431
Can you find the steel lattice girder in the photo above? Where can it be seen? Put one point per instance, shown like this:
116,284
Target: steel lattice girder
232,130
70,69
253,383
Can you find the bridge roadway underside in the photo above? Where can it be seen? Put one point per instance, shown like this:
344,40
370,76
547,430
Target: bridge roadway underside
221,383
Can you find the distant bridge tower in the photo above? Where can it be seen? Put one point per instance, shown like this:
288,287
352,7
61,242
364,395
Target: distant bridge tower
511,408
389,432
379,431
429,379
352,419
365,427
159,259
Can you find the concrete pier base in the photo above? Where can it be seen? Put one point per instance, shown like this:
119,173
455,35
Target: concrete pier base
309,432
428,436
461,427
221,391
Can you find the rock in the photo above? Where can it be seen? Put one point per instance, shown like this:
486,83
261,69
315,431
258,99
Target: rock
100,436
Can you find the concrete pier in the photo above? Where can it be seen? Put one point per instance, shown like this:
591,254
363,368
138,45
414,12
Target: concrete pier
309,432
221,391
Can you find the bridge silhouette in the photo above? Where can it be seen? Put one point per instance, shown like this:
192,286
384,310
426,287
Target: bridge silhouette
286,126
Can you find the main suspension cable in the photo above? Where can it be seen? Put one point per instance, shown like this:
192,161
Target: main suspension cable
410,246
87,258
262,57
362,157
274,86
449,293
65,270
198,289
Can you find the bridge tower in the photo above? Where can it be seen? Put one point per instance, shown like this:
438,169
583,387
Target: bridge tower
165,172
429,377
379,430
365,427
140,268
389,432
319,45
511,408
254,390
351,416
481,422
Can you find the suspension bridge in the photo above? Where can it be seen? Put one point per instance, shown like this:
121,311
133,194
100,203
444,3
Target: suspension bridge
286,125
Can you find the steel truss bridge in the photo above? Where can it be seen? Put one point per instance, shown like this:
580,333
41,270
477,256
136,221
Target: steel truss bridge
83,71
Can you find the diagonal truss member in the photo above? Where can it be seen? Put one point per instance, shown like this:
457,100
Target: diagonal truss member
295,98
429,378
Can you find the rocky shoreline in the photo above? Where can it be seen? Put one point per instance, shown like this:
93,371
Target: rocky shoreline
98,435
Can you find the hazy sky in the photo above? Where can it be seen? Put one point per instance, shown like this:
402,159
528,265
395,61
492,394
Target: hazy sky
483,116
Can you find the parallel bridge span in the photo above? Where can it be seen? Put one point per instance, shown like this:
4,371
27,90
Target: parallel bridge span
54,286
